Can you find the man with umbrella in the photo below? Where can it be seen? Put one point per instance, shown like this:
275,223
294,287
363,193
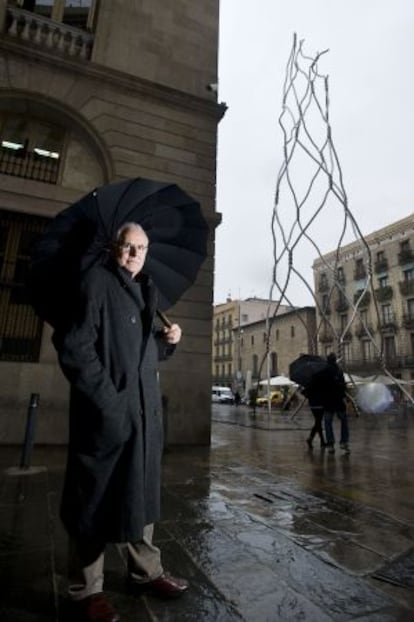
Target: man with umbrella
112,486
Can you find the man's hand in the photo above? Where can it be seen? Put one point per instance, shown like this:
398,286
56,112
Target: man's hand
172,334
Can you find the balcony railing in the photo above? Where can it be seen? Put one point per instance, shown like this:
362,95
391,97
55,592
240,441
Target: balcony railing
407,287
365,300
342,306
408,320
381,266
393,362
323,286
362,331
29,165
384,293
405,256
326,336
387,325
360,273
48,34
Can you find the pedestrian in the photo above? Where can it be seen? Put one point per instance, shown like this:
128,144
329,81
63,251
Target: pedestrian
112,483
314,394
334,403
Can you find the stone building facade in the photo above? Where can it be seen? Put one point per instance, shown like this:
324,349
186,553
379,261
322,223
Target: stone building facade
291,334
88,95
229,320
366,301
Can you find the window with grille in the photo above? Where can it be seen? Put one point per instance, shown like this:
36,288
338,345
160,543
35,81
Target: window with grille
30,148
20,328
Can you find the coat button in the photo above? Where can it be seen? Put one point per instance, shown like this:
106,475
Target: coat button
133,319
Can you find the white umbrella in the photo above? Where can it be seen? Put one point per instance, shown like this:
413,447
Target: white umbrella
278,381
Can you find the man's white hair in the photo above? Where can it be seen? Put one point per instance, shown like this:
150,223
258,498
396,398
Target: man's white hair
127,226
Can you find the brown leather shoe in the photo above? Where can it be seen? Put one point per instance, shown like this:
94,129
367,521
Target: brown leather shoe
96,608
164,586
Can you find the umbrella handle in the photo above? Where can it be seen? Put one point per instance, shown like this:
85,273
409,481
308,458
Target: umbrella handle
164,319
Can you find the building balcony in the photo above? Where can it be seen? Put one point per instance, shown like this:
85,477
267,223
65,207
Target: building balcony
326,336
407,287
323,286
347,336
365,300
45,33
359,274
408,321
381,266
362,331
384,293
387,326
405,256
342,306
29,165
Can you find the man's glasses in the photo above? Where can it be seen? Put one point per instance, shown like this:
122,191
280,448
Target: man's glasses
136,248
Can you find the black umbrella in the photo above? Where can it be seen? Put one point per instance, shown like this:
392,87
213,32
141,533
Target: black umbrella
304,369
80,236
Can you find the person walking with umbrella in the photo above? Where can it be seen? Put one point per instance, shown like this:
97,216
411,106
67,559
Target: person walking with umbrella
111,492
314,392
334,402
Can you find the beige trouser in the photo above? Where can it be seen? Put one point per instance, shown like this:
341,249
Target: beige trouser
143,564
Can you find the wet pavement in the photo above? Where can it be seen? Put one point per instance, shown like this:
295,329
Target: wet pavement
264,528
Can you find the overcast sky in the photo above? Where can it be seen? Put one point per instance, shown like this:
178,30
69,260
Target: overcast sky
371,82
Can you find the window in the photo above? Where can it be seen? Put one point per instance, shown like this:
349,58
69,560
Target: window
389,348
229,369
292,331
325,303
364,316
277,334
405,245
410,308
383,281
409,274
30,148
252,340
244,317
386,314
366,350
273,364
360,272
255,362
340,274
412,343
21,329
346,350
344,321
380,256
76,13
264,337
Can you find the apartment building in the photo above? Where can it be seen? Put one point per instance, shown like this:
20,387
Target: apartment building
365,295
240,339
291,333
93,92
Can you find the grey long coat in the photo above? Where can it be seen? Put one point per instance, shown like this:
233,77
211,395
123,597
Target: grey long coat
110,357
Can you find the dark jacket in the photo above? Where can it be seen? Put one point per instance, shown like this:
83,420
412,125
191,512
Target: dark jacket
334,394
110,356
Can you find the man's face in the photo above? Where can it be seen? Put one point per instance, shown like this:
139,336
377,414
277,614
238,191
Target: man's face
132,250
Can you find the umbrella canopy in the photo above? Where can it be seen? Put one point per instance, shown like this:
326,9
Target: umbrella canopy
80,236
278,381
303,369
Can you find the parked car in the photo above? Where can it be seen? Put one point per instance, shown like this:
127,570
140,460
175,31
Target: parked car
222,395
276,399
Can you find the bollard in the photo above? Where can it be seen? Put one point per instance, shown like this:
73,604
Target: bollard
30,431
